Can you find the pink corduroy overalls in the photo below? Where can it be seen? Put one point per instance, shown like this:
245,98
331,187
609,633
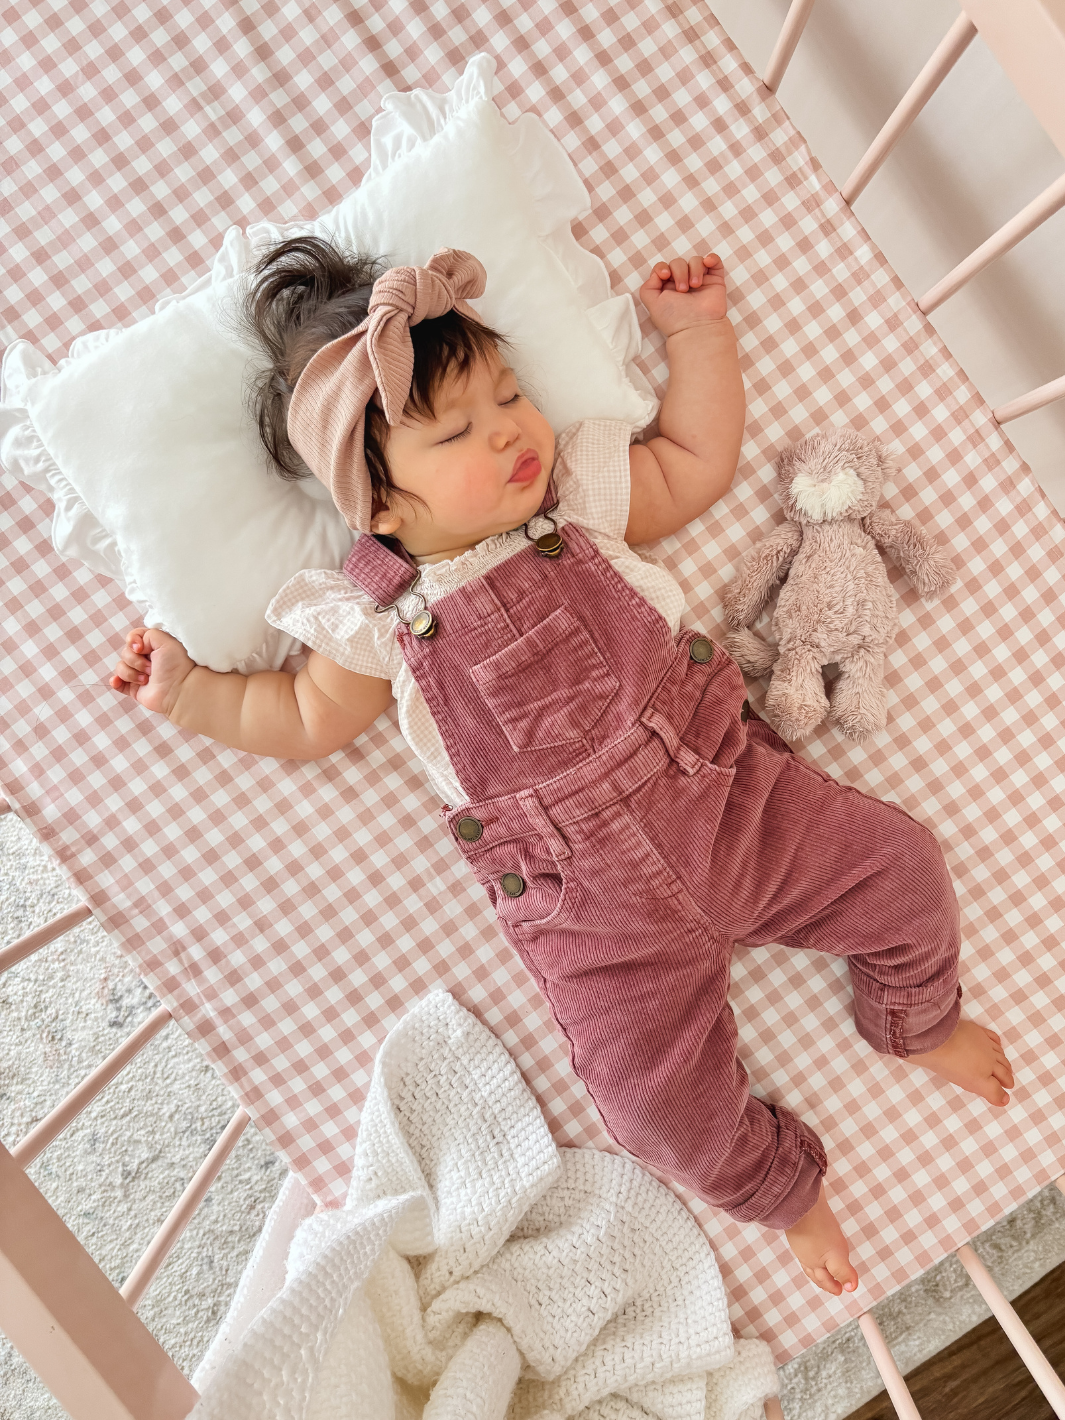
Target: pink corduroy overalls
630,821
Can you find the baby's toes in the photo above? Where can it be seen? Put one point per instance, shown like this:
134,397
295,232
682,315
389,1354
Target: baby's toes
823,1279
994,1093
841,1271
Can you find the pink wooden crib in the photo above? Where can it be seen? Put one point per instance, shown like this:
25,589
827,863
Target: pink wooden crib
287,954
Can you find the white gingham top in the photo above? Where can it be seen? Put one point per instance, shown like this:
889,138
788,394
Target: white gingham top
327,612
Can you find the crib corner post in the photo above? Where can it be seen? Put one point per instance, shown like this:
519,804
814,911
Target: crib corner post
70,1324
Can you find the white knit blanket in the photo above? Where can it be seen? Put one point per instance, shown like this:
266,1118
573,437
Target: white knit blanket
477,1272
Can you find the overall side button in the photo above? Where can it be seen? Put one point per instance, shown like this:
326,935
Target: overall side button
701,650
424,625
469,829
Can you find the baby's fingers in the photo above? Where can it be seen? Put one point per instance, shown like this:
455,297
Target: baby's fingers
137,663
128,678
678,269
122,684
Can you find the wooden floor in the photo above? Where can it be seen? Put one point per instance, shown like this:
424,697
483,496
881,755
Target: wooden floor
981,1377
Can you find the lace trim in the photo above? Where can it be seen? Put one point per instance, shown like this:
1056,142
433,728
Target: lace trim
442,577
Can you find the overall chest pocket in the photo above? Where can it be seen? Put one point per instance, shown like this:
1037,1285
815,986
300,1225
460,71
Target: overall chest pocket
550,686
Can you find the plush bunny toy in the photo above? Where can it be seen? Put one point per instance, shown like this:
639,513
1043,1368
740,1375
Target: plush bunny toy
837,604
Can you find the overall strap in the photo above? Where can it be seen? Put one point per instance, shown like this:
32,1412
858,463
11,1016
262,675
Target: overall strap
382,569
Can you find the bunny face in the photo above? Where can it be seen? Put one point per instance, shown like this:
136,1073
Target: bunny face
830,476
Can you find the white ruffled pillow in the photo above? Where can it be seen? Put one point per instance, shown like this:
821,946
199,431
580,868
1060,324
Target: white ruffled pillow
142,437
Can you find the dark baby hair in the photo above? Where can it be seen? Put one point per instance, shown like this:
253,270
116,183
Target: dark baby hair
306,292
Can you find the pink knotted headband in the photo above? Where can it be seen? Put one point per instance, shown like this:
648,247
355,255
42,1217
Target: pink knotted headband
327,413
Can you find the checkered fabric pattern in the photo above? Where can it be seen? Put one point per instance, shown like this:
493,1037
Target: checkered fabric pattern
289,914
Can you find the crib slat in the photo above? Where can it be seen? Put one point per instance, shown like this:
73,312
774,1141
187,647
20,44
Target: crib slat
1043,1373
790,34
897,1389
157,1251
951,48
1026,221
63,1315
53,1124
1027,403
34,941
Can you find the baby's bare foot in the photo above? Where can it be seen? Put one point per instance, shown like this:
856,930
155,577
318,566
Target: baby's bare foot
974,1059
817,1241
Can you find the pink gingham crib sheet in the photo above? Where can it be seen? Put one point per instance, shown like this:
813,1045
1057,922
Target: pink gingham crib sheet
289,913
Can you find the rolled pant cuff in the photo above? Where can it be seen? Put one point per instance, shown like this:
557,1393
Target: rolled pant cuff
901,1030
800,1197
790,1188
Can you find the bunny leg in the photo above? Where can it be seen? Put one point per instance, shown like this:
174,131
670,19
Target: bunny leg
753,655
859,698
796,702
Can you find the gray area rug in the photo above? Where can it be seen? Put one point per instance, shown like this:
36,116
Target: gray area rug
116,1172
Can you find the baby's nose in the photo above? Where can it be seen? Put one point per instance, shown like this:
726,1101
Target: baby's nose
506,435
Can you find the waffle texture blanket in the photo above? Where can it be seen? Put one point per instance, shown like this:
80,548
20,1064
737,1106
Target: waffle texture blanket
477,1272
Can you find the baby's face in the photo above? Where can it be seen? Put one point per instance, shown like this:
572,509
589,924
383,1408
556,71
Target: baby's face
481,466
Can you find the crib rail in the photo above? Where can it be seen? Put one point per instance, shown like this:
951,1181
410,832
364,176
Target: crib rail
1027,38
60,1310
1042,1372
53,1124
897,1389
75,1328
143,1274
1022,1340
41,936
950,49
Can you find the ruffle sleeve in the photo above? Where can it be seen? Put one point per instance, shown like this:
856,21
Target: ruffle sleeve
322,609
592,475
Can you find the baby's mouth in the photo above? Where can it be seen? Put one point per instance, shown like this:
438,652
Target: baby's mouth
526,467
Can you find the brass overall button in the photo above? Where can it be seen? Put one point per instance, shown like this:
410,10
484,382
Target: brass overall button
512,884
745,711
469,829
423,625
550,545
701,650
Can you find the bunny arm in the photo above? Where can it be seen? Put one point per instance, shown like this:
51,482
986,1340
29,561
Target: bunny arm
763,567
916,552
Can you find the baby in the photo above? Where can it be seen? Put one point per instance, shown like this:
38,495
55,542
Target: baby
601,771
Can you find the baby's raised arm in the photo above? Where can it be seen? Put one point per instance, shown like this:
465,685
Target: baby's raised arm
692,461
304,716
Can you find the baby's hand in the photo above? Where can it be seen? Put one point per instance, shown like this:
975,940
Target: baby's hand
152,668
682,293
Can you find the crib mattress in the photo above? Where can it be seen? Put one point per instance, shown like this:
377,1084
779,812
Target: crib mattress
289,913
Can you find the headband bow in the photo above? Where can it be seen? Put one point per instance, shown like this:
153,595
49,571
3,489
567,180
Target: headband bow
327,412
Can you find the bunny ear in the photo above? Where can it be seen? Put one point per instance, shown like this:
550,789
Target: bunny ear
887,458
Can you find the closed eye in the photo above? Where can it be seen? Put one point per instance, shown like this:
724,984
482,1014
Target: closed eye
460,435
